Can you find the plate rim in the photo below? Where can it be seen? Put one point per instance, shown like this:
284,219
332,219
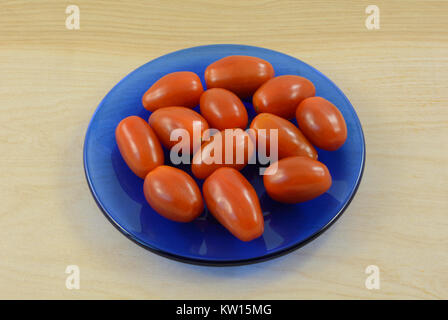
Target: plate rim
230,262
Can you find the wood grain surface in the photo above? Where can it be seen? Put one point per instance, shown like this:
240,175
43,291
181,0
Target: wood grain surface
53,78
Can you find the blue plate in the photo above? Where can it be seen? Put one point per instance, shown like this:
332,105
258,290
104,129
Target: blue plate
119,193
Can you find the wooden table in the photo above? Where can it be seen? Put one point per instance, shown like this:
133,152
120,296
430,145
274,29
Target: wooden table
53,78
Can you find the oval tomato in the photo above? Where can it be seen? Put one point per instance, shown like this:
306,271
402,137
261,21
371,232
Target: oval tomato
165,120
138,145
229,148
173,194
322,123
223,109
242,75
182,88
291,142
281,95
296,179
234,203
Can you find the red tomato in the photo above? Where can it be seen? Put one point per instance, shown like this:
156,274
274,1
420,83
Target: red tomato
223,109
296,179
235,154
234,203
322,123
173,194
165,120
242,75
138,145
291,142
182,88
281,95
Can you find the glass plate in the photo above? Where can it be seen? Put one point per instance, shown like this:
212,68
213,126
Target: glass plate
119,193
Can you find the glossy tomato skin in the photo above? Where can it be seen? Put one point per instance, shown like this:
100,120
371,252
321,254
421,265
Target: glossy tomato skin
291,142
242,75
183,88
234,203
212,154
138,145
223,109
165,120
281,95
296,179
173,194
322,123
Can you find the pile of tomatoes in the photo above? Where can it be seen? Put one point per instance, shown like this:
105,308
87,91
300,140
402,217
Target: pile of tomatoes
296,177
